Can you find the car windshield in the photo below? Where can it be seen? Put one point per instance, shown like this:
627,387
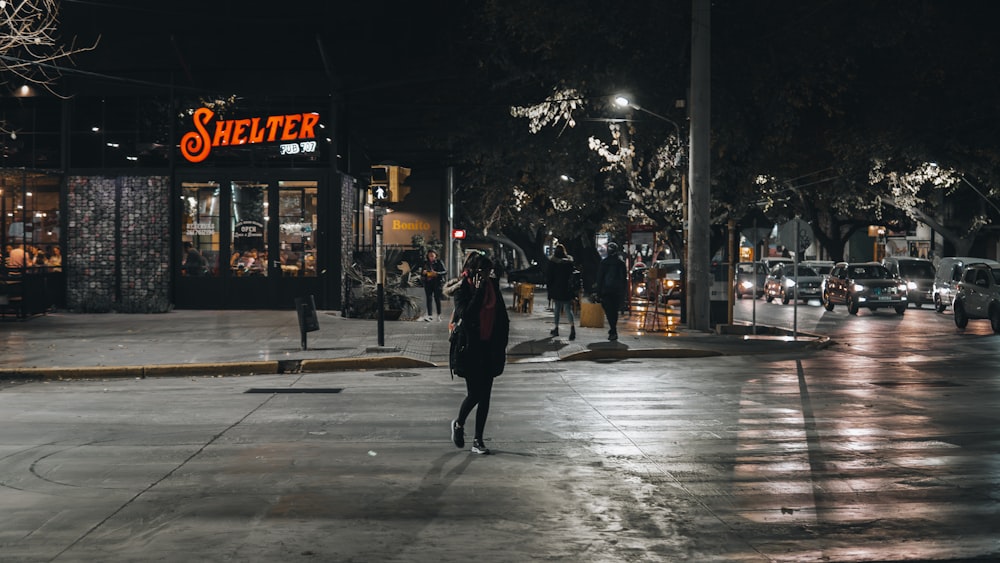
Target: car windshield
823,269
916,269
747,268
873,272
804,271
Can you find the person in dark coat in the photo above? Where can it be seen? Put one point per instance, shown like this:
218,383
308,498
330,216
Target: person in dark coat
612,283
432,276
482,317
560,286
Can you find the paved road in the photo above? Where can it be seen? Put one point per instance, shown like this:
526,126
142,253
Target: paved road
812,456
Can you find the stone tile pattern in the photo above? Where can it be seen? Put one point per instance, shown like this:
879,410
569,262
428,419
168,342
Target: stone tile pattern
96,242
348,197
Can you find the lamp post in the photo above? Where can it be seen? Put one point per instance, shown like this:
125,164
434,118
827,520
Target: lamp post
623,101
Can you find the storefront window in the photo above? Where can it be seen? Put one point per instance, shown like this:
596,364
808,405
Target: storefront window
29,214
296,225
249,219
200,229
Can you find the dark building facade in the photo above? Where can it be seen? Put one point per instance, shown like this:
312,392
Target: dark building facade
141,203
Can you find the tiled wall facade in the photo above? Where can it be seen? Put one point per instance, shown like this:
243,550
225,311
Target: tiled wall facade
118,244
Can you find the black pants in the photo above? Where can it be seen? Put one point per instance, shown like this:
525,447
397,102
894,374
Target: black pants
434,295
611,305
478,390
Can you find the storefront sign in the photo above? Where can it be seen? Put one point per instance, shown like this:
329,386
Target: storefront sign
298,127
248,235
398,225
199,229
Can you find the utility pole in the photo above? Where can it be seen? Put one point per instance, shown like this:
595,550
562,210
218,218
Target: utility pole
699,282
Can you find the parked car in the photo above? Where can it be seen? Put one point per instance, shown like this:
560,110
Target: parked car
863,284
670,275
947,276
638,281
978,296
782,283
917,274
822,267
749,280
771,261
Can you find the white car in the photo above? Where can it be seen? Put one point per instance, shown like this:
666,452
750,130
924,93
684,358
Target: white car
783,284
947,276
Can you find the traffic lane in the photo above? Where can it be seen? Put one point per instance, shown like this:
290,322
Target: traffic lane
920,335
737,459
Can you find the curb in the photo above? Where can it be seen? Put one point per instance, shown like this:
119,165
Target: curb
215,368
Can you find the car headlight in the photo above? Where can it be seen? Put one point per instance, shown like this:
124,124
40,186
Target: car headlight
911,286
789,282
669,283
858,288
904,286
746,284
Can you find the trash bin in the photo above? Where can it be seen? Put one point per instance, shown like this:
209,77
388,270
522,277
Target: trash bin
591,315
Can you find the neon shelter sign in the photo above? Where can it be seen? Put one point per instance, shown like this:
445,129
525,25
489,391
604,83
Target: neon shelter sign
295,133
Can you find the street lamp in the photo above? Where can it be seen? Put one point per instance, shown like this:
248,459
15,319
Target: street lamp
624,102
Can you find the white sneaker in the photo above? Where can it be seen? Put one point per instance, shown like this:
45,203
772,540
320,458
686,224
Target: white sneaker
438,319
427,319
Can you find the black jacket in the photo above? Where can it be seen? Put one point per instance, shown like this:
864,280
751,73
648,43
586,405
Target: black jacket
484,358
560,279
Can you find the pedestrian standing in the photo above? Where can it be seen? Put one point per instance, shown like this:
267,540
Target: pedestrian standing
480,329
611,286
432,276
560,286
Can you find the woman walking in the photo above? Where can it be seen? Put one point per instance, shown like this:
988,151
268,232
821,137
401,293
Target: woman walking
480,328
561,290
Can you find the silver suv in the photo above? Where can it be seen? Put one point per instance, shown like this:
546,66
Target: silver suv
917,274
863,284
978,296
949,273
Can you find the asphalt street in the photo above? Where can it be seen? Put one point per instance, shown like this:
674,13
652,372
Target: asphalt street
759,451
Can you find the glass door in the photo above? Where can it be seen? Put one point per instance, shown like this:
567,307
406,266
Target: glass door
247,244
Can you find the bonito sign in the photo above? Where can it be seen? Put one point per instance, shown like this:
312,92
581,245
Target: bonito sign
289,129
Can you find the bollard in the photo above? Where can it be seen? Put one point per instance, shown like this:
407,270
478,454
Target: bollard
308,322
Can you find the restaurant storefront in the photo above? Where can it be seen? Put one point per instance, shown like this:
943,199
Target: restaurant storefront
147,204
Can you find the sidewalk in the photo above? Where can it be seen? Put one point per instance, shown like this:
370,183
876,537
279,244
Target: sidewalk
193,342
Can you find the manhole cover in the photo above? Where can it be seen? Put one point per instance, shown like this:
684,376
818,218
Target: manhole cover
397,374
294,390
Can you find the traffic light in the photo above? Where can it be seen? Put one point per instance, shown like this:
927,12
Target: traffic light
380,194
458,234
393,178
398,191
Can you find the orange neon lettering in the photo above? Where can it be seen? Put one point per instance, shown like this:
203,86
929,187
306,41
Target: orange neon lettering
223,130
240,127
308,128
256,132
195,144
289,133
273,124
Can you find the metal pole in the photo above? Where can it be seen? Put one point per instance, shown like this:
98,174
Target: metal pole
379,279
795,290
731,265
756,260
699,281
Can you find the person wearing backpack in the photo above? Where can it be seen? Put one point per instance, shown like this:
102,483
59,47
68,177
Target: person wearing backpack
480,329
